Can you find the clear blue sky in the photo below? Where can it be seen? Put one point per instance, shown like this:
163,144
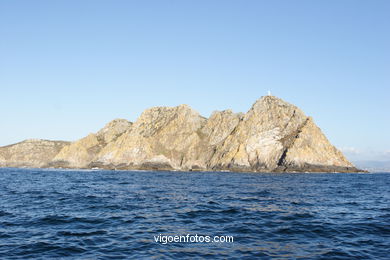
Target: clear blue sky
69,67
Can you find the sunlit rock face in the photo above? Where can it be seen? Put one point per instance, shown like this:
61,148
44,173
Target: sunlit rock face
30,153
277,136
165,137
79,154
273,136
312,151
260,138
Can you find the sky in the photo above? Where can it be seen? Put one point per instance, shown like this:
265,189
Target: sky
69,67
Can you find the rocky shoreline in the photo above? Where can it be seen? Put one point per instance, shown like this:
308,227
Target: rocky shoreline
273,136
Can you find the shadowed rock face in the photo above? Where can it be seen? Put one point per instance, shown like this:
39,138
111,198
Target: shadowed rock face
30,153
272,136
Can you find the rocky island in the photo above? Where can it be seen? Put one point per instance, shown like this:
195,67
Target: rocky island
273,136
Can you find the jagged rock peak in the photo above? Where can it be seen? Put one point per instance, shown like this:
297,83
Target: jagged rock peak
156,113
113,129
271,104
271,100
116,123
156,118
220,125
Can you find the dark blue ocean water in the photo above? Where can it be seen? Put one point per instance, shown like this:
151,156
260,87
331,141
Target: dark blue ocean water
48,214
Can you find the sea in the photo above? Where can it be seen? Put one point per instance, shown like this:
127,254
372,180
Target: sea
98,214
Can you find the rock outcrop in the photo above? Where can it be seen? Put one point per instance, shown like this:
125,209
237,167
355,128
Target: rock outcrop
273,136
162,138
34,153
309,149
79,154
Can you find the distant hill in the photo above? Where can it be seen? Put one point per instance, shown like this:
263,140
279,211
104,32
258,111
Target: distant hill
373,166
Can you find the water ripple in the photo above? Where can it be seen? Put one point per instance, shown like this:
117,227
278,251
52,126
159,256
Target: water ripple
46,214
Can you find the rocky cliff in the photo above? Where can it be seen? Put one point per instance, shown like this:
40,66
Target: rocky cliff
272,136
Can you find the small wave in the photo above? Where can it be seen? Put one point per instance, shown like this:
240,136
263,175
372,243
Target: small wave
263,193
82,234
60,219
4,235
229,211
5,213
297,216
40,249
196,213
